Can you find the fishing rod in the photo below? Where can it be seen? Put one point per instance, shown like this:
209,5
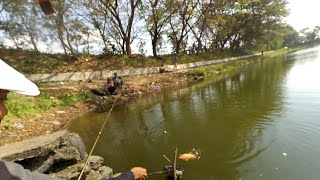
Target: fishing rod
175,164
98,136
171,171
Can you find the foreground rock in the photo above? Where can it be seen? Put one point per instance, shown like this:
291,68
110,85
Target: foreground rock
61,154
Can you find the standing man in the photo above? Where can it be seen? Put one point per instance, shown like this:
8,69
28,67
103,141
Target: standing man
175,62
13,81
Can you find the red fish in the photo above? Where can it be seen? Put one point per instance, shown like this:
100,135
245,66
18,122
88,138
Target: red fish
187,156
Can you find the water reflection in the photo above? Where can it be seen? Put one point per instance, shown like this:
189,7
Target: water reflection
233,119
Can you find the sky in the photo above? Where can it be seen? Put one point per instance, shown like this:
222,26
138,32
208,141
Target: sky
303,13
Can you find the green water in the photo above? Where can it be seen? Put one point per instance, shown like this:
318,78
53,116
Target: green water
261,122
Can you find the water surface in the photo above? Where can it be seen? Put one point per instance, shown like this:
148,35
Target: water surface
261,122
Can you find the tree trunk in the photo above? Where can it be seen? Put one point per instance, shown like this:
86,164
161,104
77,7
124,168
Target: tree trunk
199,47
34,44
128,47
154,47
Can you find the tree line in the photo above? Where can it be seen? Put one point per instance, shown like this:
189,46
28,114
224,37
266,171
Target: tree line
187,26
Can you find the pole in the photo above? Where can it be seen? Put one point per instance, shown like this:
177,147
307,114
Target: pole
175,164
95,143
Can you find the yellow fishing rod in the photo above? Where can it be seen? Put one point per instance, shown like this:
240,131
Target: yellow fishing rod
98,136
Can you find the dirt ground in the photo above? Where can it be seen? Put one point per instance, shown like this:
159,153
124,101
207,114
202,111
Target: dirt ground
58,118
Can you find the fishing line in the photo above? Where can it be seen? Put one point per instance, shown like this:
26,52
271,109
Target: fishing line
95,143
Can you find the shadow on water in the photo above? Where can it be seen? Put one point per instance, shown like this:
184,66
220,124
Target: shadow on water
229,118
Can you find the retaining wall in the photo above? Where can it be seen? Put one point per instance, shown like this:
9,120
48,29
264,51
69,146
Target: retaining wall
77,76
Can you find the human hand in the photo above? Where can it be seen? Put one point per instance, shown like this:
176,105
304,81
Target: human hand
139,173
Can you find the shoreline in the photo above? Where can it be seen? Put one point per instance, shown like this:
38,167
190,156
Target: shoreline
58,118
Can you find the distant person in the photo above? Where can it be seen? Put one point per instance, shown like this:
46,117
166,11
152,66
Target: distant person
162,68
109,87
175,62
13,81
117,81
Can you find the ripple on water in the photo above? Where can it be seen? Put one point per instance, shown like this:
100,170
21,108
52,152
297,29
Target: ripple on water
251,141
245,151
302,135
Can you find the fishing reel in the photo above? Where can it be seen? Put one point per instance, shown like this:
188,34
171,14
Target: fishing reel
169,171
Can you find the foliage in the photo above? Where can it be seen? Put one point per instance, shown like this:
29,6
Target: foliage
186,26
311,35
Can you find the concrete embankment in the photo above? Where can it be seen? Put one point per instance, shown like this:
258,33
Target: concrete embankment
77,76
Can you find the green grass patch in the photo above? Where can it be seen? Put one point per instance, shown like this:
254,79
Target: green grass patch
195,73
21,106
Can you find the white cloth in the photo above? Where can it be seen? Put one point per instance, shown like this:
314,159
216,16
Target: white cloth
12,80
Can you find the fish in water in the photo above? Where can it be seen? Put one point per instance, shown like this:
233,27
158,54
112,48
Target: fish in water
187,156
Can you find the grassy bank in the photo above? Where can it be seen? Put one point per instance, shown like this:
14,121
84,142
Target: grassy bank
31,62
232,65
21,106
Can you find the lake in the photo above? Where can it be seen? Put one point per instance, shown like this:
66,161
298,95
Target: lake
260,122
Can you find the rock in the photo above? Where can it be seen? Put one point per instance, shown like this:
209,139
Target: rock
95,162
102,172
19,126
31,148
91,171
105,171
71,172
93,175
77,142
61,154
56,122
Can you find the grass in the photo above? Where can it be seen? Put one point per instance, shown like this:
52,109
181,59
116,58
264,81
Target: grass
232,65
31,62
25,106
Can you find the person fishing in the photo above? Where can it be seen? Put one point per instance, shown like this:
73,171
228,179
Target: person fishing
13,81
110,87
117,81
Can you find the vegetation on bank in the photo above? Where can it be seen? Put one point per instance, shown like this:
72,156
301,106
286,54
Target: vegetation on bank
22,106
31,63
230,66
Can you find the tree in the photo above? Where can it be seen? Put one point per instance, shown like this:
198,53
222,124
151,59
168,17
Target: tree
20,21
234,23
200,23
67,27
183,12
157,17
122,18
62,30
93,13
310,36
